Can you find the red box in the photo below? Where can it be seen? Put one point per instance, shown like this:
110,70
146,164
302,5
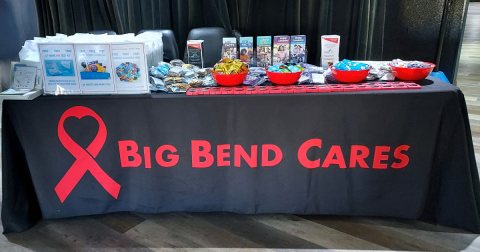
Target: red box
399,85
203,91
323,88
311,89
386,86
216,91
192,91
335,87
263,90
251,90
363,88
227,90
239,90
413,85
287,89
349,88
275,90
299,89
374,86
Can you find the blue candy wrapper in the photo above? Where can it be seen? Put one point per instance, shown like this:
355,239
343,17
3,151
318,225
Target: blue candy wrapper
349,65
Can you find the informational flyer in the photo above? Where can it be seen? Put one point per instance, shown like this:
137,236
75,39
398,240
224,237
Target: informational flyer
130,68
25,78
59,68
94,67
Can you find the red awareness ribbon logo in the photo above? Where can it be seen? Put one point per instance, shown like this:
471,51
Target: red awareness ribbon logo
84,158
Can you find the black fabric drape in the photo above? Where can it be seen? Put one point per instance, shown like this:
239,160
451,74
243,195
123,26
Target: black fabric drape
360,23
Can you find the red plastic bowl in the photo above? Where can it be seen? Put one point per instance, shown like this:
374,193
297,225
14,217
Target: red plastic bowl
350,75
283,78
412,74
229,79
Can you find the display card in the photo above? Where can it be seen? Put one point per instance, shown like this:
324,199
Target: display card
59,68
94,67
129,64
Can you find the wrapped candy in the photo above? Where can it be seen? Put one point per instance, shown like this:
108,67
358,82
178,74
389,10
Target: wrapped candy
176,72
178,88
228,66
177,62
349,65
291,68
253,80
161,70
410,64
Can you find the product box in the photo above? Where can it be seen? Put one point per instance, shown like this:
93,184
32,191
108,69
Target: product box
330,50
264,51
195,52
281,49
229,48
298,48
246,50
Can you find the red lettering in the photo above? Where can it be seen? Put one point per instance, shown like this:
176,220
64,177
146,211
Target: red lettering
276,150
125,153
172,158
329,160
205,152
359,158
148,160
221,155
302,153
379,157
401,156
250,160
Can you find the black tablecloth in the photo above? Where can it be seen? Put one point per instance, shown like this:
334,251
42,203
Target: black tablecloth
405,154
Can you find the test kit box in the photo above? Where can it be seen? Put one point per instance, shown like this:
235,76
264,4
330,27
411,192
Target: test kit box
330,50
84,68
281,49
264,51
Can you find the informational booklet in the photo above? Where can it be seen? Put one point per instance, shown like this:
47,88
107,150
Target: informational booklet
281,49
24,78
94,65
59,68
330,50
229,49
298,48
246,50
264,51
195,52
129,64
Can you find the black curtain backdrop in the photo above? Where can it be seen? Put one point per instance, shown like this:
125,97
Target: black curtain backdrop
369,29
359,23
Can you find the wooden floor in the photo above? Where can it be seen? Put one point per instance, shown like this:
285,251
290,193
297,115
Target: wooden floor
226,231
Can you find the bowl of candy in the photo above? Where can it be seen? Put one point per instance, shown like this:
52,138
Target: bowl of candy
350,71
411,70
229,72
283,74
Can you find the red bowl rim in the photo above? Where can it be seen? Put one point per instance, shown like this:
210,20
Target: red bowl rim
331,68
432,66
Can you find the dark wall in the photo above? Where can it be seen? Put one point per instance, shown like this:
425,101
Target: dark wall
18,21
